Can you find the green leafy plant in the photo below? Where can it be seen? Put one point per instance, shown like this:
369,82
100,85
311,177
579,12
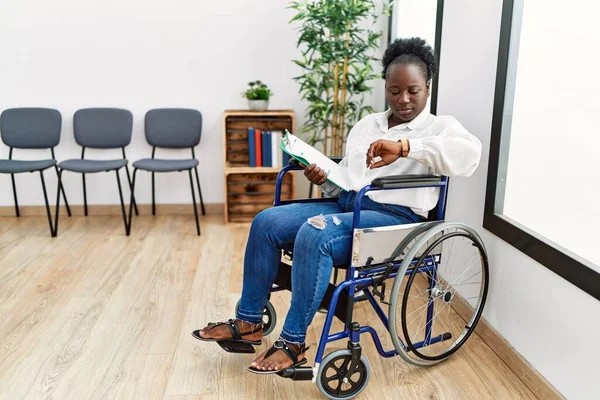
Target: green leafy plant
257,91
337,64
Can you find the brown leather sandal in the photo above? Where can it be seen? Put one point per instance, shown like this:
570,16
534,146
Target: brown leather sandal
289,351
236,335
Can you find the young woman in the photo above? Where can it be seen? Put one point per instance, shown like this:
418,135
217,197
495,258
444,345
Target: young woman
405,139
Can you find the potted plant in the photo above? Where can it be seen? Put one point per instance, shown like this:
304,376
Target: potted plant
337,63
258,95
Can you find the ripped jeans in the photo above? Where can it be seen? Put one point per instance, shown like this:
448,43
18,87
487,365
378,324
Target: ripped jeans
315,253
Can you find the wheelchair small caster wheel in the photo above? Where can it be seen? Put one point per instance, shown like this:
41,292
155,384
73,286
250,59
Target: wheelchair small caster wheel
334,380
269,317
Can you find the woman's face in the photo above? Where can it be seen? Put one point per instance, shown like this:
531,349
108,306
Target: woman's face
406,91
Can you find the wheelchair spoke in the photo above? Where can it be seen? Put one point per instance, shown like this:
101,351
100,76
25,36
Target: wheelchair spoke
352,383
338,387
449,263
451,284
432,319
467,283
418,309
418,317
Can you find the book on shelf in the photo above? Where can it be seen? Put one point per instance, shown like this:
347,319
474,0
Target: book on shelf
264,149
251,148
258,147
275,151
306,154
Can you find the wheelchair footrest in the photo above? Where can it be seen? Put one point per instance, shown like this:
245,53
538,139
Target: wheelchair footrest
232,346
297,373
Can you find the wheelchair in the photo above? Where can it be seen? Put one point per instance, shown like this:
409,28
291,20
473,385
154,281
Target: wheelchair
439,273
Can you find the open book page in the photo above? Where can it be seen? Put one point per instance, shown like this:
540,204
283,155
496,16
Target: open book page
306,154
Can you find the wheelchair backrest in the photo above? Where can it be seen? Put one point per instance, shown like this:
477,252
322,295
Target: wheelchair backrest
438,213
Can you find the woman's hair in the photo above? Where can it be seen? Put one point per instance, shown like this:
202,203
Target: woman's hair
413,51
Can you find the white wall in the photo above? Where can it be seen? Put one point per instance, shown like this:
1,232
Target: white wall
552,323
141,54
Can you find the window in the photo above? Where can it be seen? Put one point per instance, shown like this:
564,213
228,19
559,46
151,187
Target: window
543,193
421,18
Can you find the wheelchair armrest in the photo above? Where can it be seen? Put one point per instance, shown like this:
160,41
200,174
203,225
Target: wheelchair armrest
294,165
292,162
406,181
398,182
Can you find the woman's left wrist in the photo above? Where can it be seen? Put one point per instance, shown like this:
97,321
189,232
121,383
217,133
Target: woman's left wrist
404,148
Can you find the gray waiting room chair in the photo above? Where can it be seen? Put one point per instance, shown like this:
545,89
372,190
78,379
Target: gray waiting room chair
31,128
172,128
100,128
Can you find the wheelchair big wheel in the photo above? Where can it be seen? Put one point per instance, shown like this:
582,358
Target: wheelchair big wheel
438,305
336,382
269,317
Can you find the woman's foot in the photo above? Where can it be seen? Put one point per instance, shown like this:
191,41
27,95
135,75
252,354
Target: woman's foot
280,356
234,329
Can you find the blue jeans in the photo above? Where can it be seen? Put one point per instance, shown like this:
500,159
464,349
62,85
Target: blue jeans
315,253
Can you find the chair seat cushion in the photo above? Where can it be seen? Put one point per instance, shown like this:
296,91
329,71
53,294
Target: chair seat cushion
161,165
18,166
91,166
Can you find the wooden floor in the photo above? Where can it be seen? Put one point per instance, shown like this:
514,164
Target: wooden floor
94,314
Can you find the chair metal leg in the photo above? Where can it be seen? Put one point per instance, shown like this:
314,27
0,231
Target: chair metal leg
122,203
52,233
85,209
64,195
194,202
199,191
133,197
153,203
14,185
131,202
56,211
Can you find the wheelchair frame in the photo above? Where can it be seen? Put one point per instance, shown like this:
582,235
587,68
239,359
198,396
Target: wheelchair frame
362,278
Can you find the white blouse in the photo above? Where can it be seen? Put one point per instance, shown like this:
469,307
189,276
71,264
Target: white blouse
439,145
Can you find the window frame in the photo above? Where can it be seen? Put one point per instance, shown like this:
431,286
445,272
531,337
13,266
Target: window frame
553,258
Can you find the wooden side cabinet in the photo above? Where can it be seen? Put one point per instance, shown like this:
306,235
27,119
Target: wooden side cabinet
249,190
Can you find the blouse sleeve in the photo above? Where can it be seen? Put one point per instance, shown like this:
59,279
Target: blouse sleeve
453,152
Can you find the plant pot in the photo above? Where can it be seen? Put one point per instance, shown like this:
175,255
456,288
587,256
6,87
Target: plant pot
258,105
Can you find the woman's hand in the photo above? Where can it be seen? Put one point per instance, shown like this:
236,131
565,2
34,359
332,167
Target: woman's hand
315,174
387,150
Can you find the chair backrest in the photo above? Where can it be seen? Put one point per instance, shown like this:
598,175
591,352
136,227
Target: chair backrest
30,128
174,128
103,128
